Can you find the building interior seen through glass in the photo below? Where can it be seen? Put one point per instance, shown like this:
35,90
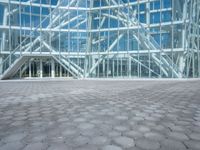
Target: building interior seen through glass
100,38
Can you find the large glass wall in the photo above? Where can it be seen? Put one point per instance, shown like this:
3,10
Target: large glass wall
100,39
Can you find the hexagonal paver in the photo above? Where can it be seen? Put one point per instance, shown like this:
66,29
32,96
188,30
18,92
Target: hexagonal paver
59,146
173,144
178,136
154,136
194,145
14,137
85,126
111,147
133,134
143,129
35,146
12,146
147,144
195,136
99,140
90,114
124,142
81,140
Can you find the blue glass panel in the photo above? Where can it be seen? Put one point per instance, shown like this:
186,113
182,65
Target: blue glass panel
155,5
156,38
143,18
1,14
97,3
45,11
165,40
142,7
166,16
167,3
54,2
155,17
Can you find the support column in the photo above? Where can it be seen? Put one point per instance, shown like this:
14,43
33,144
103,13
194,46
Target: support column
20,72
60,70
121,66
5,18
113,68
52,68
129,66
41,69
92,64
29,66
104,68
1,66
181,63
148,35
86,66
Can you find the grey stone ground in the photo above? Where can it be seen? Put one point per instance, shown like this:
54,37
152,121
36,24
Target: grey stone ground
103,115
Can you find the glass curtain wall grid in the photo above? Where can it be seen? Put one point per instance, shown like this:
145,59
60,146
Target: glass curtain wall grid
100,38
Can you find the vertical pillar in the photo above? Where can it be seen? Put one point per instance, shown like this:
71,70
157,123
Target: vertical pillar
129,66
93,62
60,70
20,72
181,63
52,68
103,68
29,66
86,66
5,18
41,69
66,73
121,66
1,66
113,68
148,36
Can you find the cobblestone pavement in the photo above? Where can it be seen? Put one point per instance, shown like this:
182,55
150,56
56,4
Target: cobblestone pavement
100,115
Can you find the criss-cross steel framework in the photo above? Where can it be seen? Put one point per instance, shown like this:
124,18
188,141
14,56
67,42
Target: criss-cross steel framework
100,38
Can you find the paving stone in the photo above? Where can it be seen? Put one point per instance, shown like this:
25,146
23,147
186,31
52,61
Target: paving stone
81,140
60,146
12,146
178,136
195,136
172,145
193,144
154,136
35,146
133,134
87,147
114,133
90,133
39,138
86,126
56,139
111,147
90,114
122,118
143,129
121,128
124,142
99,140
147,144
177,128
14,137
69,132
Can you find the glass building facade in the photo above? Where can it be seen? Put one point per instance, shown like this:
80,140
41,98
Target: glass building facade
100,38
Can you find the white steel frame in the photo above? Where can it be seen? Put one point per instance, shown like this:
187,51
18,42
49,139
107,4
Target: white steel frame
94,46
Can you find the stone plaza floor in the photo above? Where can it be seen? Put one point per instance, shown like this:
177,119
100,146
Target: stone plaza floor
100,115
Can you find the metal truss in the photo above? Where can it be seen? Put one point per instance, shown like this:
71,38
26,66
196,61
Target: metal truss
81,21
